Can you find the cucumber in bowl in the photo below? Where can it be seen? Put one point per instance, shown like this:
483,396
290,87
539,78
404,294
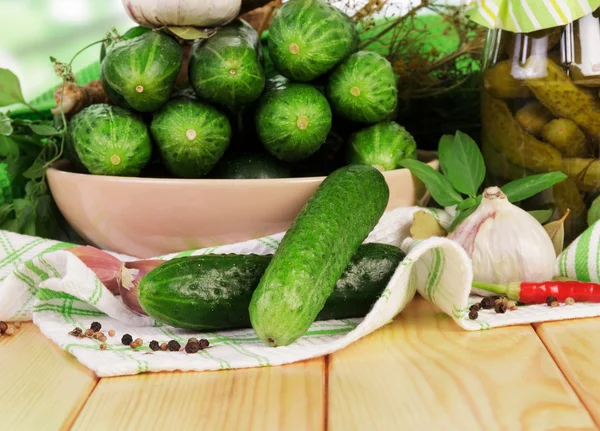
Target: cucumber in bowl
192,136
227,68
292,120
363,88
307,38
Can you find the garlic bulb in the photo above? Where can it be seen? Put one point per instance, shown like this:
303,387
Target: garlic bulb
505,243
182,13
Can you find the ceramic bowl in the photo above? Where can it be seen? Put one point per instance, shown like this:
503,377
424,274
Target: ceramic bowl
146,217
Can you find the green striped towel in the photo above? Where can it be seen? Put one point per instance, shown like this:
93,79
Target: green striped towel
41,280
524,16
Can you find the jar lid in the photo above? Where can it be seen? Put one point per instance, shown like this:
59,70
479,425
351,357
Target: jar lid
525,16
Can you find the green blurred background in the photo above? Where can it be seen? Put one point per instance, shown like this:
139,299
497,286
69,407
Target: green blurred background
33,30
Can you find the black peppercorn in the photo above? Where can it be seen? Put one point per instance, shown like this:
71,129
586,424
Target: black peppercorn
192,347
487,303
154,345
475,307
174,346
95,326
473,314
203,343
550,300
3,327
500,308
127,339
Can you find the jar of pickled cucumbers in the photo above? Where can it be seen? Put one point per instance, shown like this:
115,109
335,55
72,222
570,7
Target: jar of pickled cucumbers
540,109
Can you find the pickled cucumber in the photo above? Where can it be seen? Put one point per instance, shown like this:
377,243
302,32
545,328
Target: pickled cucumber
563,98
499,167
567,197
585,173
566,137
502,130
500,83
533,117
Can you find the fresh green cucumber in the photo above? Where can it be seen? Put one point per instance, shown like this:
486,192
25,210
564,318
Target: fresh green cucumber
383,145
292,120
307,38
253,166
192,136
142,71
109,140
227,68
315,251
363,88
212,292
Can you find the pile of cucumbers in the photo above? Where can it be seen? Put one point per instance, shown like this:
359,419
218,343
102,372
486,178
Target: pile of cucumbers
326,104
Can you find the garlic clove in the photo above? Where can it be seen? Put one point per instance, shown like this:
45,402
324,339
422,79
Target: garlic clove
130,275
106,267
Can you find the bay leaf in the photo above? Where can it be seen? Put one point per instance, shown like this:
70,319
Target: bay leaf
425,226
541,215
191,33
556,232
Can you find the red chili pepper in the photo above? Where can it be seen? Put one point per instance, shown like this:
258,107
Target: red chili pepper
536,293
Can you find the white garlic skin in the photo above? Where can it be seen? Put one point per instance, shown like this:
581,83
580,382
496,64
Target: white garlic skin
505,243
182,13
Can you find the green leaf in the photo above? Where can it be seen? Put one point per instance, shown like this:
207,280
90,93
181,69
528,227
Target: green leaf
191,33
6,196
46,220
43,129
10,88
466,204
6,127
524,188
438,185
541,215
462,162
35,171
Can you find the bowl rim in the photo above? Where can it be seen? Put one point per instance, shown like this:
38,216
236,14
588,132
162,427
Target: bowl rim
61,168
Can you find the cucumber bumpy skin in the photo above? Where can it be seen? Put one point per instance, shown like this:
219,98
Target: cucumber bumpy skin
315,251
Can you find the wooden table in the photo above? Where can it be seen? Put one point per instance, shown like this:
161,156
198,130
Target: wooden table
421,372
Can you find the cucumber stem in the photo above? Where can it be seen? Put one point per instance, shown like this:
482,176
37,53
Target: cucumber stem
511,291
139,88
355,91
294,48
115,160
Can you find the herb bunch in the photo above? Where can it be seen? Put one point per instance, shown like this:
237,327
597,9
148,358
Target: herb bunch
462,175
27,149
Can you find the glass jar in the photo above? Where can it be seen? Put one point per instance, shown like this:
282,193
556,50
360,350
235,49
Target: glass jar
540,112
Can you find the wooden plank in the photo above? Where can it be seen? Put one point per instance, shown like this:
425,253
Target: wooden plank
289,397
575,346
43,387
423,372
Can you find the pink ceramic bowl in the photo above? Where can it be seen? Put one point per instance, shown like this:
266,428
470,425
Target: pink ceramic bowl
145,217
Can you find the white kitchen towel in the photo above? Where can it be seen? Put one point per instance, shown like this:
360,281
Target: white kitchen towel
42,281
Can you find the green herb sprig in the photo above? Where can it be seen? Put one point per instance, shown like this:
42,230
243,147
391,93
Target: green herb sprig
462,175
27,149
